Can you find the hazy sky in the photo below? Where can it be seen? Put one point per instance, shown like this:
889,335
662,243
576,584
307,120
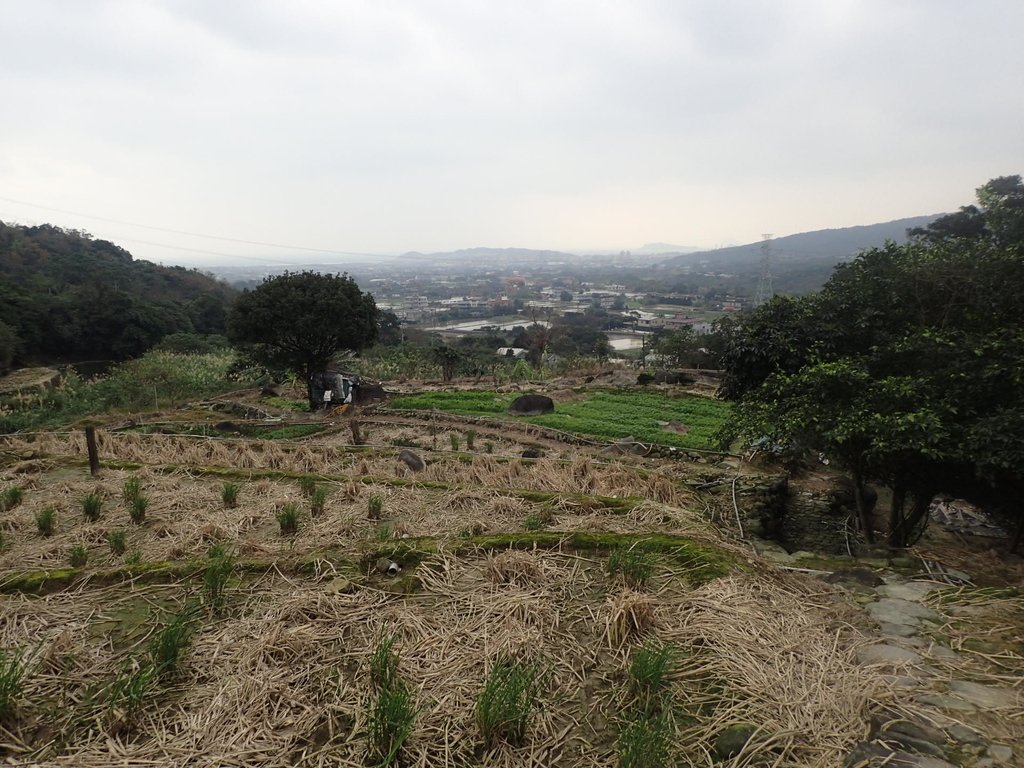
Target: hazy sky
427,125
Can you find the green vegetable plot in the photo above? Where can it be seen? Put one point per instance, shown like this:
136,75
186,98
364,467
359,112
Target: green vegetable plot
686,421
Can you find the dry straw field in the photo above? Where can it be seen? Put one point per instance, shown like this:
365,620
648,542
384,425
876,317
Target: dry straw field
216,602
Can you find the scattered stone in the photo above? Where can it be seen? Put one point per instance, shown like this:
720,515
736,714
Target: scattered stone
910,641
901,681
1000,753
943,701
893,611
862,576
942,652
883,653
339,585
964,735
933,762
871,754
897,630
411,460
920,746
985,696
531,453
916,730
731,741
910,590
531,405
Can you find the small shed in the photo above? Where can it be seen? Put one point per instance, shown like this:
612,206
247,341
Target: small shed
515,353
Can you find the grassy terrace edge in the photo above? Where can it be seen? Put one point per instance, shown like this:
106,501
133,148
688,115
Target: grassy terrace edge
700,563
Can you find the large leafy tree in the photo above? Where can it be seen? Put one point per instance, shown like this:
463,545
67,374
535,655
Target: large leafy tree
299,321
907,368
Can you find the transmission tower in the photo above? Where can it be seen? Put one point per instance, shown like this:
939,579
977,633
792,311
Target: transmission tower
764,285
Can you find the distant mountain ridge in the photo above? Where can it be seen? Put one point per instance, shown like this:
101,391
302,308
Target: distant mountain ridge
823,245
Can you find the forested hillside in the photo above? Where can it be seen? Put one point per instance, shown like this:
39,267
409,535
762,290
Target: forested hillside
906,369
67,297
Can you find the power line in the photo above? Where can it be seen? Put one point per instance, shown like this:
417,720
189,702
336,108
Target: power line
189,234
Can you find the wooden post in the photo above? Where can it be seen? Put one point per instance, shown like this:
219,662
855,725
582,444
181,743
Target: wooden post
94,456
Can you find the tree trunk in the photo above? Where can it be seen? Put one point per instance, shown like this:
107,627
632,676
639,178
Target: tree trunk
1018,535
862,512
897,539
922,502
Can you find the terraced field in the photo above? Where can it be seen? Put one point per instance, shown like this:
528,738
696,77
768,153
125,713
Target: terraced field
316,602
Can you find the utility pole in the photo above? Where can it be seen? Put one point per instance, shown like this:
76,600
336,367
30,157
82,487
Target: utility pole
764,286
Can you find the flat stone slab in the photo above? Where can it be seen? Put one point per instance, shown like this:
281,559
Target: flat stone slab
986,696
883,653
942,701
964,735
897,630
891,610
1000,753
942,652
913,591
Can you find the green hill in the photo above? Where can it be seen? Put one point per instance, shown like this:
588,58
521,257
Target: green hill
66,297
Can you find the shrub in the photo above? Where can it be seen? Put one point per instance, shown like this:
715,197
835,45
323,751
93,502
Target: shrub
645,740
507,702
215,577
391,714
118,541
318,501
137,509
489,446
79,556
374,507
538,519
288,519
384,663
649,673
533,523
11,497
134,557
128,693
12,677
454,440
470,438
131,489
229,495
308,486
632,564
92,506
46,521
390,722
169,644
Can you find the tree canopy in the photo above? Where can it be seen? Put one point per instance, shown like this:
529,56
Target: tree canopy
298,321
67,297
907,368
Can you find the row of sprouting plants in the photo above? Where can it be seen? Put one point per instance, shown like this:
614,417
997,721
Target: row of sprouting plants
93,506
144,675
509,699
454,439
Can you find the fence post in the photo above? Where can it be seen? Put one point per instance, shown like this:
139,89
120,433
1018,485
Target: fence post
94,456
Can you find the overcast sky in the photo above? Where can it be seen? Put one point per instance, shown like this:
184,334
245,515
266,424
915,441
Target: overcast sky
384,127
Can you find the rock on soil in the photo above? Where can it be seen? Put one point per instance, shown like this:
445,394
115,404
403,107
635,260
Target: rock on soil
531,405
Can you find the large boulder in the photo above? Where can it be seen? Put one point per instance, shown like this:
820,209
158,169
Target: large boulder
531,405
367,394
411,460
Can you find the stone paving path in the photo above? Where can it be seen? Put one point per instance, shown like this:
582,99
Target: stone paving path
949,717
